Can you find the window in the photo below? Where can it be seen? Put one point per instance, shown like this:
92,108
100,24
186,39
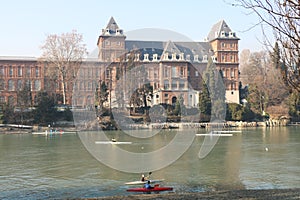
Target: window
11,71
1,70
2,84
107,43
166,84
90,86
231,58
20,84
181,84
232,73
232,86
196,73
37,71
82,86
20,71
107,73
2,99
174,84
223,44
11,85
166,95
37,85
11,100
223,58
166,72
181,71
174,72
28,72
28,84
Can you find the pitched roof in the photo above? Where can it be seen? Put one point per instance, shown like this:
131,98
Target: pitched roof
170,47
159,47
221,30
112,25
112,28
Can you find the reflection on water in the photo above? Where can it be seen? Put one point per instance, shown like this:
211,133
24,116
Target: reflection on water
59,166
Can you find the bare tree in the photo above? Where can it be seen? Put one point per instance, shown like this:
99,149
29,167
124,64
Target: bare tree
283,16
63,55
265,88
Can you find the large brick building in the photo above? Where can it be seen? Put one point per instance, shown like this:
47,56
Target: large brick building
173,68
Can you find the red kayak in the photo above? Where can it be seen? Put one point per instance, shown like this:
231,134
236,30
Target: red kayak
155,189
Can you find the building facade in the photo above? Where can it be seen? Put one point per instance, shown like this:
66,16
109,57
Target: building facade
16,73
174,69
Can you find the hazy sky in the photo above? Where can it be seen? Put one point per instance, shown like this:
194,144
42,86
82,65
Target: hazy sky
25,24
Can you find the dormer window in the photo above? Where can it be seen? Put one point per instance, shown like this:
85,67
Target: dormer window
107,32
188,57
166,56
181,56
127,56
154,57
196,58
204,58
137,57
222,33
174,56
146,57
231,34
214,59
119,32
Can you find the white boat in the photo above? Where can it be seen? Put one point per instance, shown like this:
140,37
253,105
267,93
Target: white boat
111,142
214,134
52,132
143,182
218,133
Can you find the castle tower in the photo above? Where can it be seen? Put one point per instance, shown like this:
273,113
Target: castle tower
224,44
111,42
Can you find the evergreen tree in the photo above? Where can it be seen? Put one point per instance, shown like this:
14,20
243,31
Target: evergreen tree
204,100
45,111
275,56
102,94
8,114
179,107
214,80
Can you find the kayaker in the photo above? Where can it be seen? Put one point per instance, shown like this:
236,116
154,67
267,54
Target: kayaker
147,185
143,178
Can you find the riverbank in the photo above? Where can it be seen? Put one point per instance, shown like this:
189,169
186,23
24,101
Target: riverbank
271,194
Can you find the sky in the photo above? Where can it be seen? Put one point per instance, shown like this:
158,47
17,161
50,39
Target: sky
26,24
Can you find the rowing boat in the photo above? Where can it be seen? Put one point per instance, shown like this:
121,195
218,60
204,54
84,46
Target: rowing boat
52,132
214,134
155,189
111,142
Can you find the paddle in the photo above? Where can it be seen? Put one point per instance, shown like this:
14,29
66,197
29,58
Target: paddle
148,177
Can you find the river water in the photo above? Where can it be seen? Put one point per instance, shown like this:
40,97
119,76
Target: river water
60,166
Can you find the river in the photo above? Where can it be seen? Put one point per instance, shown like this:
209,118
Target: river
62,166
